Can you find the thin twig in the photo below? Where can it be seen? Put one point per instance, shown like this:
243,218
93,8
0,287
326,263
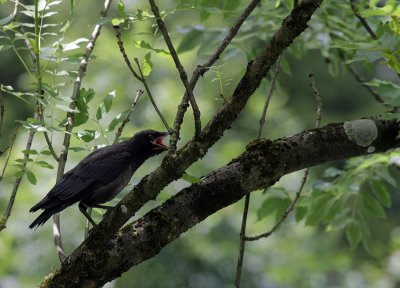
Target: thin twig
268,98
126,120
243,237
182,73
285,214
122,49
361,80
7,213
146,87
15,12
70,122
242,243
9,153
363,22
140,77
304,179
202,69
46,135
317,100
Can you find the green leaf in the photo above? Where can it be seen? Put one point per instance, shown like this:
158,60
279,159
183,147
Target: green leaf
300,212
117,21
146,45
319,208
19,173
285,66
118,119
65,108
88,135
31,177
372,205
381,193
230,7
44,164
5,20
31,152
147,65
82,101
105,105
190,178
27,160
332,172
191,40
275,204
121,8
354,234
77,149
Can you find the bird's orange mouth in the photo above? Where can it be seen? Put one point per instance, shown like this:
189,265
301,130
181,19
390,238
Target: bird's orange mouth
158,142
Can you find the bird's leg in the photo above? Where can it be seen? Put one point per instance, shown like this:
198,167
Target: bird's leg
83,207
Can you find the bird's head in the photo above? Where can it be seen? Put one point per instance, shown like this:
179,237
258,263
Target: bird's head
151,142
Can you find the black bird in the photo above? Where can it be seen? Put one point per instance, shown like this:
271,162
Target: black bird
100,176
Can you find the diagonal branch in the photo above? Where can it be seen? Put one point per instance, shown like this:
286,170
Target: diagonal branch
201,69
173,167
262,164
182,75
363,22
141,78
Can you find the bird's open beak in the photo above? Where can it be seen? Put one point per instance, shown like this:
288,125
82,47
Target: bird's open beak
158,142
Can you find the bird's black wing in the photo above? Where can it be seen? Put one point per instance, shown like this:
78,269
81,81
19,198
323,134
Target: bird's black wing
103,167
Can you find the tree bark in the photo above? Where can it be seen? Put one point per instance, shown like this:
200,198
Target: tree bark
262,164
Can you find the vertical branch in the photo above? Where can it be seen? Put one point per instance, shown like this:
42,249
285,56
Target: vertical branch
242,241
70,122
304,179
184,79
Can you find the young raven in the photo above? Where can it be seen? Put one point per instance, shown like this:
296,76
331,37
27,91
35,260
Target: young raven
100,176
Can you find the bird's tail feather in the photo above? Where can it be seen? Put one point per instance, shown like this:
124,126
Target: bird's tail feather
45,215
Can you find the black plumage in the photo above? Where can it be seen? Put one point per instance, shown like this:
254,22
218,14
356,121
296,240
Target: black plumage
100,176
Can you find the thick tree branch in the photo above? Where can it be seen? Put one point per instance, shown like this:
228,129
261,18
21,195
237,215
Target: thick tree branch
262,164
173,166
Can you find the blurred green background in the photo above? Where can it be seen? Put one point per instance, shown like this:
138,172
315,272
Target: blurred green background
295,256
